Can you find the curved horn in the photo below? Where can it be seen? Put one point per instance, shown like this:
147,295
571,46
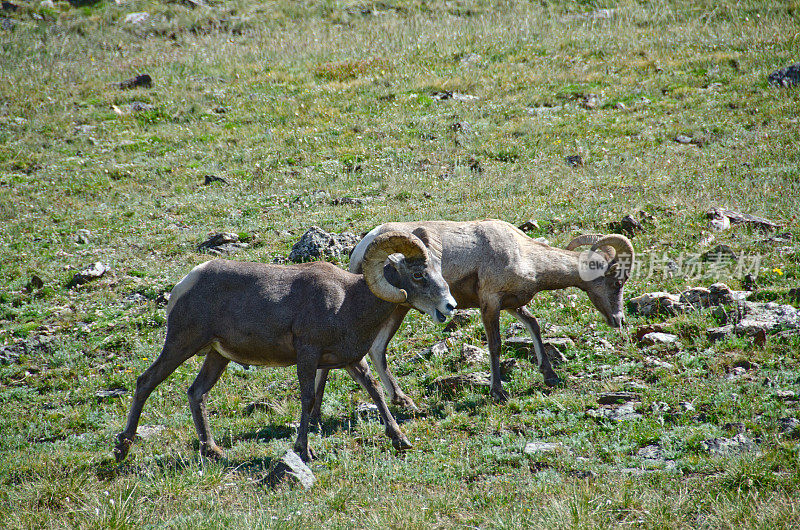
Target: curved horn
623,251
588,239
375,256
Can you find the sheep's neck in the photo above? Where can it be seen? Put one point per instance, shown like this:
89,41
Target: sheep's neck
556,269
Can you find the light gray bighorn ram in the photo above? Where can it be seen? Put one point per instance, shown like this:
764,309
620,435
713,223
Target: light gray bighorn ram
494,266
314,315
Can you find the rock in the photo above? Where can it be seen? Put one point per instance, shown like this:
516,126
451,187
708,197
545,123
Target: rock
654,338
628,225
574,160
660,407
591,101
660,302
90,273
612,398
506,366
289,469
450,383
786,77
8,6
222,243
650,452
213,179
722,332
139,81
460,318
455,96
83,236
683,139
535,448
655,362
104,395
317,243
554,355
367,412
529,225
790,426
149,431
720,215
687,406
347,200
438,349
133,107
719,254
473,355
520,344
767,316
727,446
786,395
136,18
625,412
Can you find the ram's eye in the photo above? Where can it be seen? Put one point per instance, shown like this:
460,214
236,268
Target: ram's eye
418,276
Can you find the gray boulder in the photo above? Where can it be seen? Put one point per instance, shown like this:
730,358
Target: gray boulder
290,469
316,243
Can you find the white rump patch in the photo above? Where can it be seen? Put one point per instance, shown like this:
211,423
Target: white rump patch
184,285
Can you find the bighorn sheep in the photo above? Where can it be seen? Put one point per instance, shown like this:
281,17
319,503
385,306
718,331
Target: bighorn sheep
492,265
314,315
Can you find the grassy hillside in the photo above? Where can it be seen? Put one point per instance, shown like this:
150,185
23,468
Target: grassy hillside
420,110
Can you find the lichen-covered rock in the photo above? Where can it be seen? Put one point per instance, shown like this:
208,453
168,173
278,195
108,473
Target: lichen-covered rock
290,469
222,243
661,302
93,272
316,243
727,446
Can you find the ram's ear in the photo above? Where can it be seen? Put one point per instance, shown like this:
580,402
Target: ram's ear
613,269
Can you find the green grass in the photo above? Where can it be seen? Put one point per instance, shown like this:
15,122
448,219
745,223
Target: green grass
284,98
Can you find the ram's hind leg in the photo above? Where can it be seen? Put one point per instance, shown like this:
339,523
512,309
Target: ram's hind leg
523,315
212,369
174,353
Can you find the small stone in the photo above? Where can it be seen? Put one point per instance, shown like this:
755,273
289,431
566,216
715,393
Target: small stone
683,139
786,395
574,160
687,406
139,81
347,200
367,412
290,469
149,431
660,407
719,333
554,355
628,225
620,106
529,225
611,398
90,273
449,383
222,243
532,448
111,393
727,446
731,217
438,350
460,318
718,254
474,355
213,179
83,236
136,18
651,339
650,452
591,101
35,283
786,77
789,426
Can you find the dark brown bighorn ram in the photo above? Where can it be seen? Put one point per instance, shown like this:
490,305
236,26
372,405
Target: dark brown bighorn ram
494,266
313,315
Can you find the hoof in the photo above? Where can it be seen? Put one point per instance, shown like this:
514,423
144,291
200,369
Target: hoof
401,444
554,381
499,395
212,451
306,455
122,448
